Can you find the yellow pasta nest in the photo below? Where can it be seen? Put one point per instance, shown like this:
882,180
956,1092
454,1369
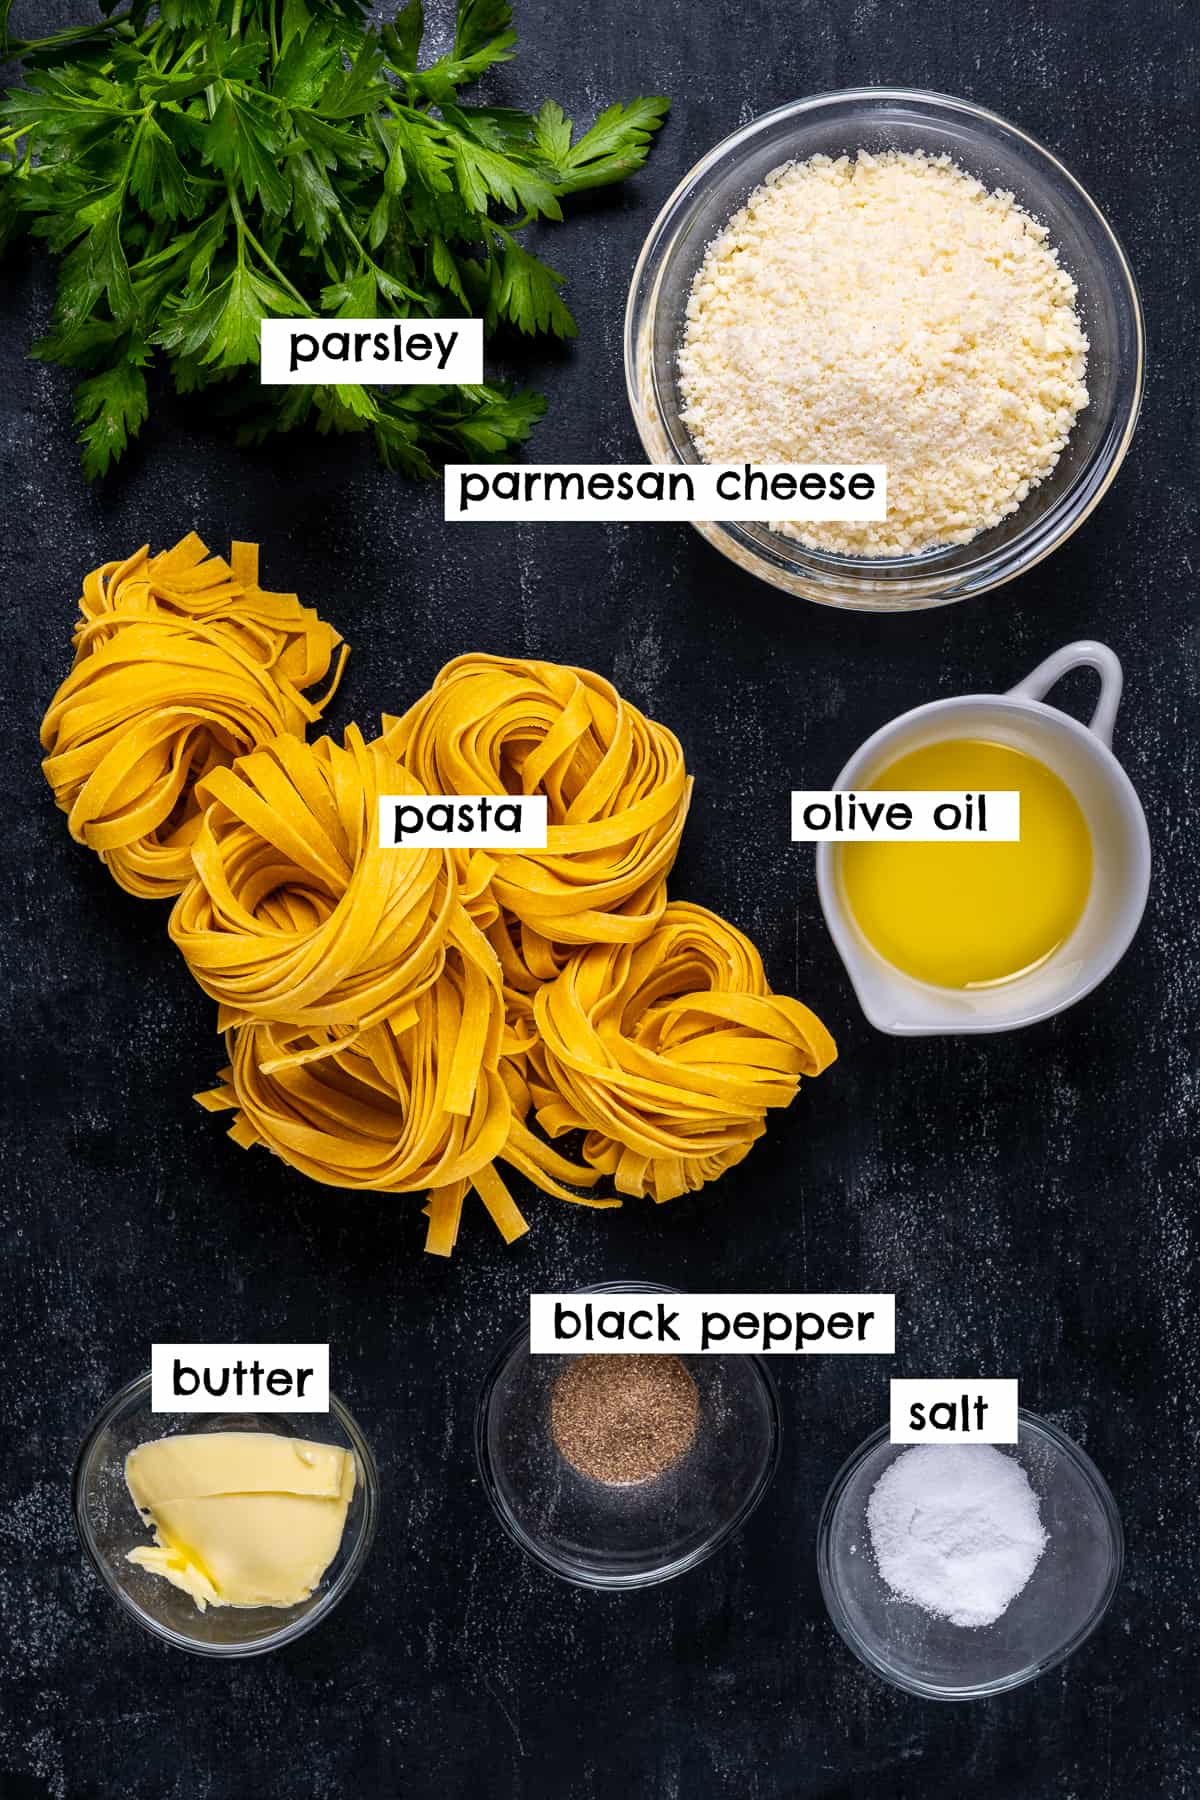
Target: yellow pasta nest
182,663
392,1110
426,1107
186,583
616,788
669,1053
296,915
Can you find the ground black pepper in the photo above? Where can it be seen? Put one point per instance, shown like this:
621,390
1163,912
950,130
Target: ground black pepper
624,1419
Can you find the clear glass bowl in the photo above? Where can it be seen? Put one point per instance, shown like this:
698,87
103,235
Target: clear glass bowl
1065,1598
109,1525
1002,157
625,1537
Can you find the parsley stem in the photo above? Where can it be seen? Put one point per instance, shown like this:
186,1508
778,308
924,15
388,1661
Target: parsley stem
351,234
196,44
18,47
370,260
245,235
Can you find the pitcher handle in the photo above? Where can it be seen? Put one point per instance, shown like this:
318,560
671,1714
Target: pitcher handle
1086,653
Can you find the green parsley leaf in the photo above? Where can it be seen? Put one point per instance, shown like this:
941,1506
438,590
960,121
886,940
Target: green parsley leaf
500,422
243,141
157,178
221,327
552,135
402,38
309,61
616,146
358,90
479,23
526,293
484,175
353,299
106,262
314,201
111,408
445,270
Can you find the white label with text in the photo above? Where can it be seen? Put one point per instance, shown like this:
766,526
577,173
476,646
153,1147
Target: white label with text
370,352
634,493
239,1378
714,1324
918,816
947,1411
449,821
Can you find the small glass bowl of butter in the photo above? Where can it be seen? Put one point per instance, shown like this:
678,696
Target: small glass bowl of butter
110,1525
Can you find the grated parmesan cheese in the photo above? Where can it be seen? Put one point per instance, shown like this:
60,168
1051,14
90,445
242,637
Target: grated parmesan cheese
887,309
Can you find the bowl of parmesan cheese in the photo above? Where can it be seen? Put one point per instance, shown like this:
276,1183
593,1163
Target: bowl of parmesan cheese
885,276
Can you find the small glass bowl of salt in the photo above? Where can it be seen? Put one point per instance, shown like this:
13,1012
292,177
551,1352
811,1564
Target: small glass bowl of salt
962,1570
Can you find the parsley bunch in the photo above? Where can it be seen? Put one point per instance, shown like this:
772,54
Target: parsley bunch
200,165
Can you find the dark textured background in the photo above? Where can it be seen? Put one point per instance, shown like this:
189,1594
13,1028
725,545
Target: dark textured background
1029,1199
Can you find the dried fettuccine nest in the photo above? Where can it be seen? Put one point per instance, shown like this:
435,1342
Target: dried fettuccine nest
186,583
615,783
181,665
296,915
668,1053
425,1107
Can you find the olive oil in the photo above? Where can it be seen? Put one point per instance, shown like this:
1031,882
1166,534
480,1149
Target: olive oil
970,915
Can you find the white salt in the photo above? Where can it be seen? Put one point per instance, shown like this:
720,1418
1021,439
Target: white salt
956,1529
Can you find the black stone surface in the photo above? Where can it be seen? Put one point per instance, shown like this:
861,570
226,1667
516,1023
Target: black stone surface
1030,1199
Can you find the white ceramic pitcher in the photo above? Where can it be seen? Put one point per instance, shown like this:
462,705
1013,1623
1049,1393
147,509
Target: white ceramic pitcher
1082,756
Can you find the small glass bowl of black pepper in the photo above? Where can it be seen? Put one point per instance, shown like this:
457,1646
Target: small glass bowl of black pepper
713,1438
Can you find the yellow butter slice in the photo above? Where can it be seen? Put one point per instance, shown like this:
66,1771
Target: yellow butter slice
252,1549
240,1518
198,1465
